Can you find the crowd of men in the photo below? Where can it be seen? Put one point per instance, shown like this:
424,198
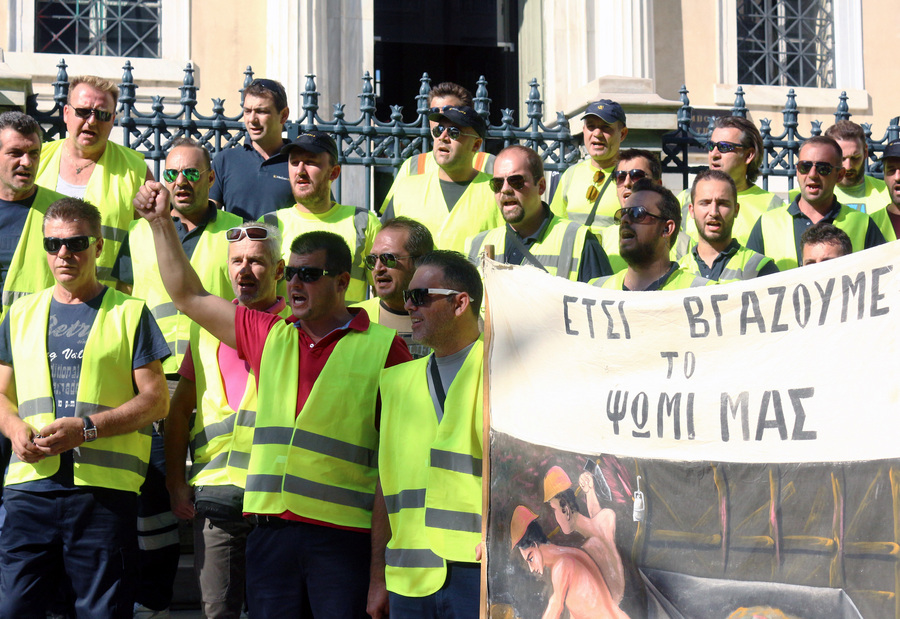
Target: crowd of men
302,379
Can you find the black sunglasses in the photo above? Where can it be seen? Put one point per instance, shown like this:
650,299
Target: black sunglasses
254,233
516,181
85,113
52,244
453,132
190,174
621,175
388,260
637,215
419,296
805,167
724,147
307,275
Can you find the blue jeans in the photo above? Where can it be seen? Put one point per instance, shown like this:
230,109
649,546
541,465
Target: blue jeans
457,599
296,566
89,534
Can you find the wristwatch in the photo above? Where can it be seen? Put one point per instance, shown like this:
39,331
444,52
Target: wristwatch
90,430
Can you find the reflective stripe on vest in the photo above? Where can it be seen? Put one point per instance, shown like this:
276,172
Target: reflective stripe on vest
748,270
434,511
781,246
326,470
116,462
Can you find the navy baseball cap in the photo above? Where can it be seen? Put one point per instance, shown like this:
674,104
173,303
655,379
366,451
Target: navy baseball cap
606,110
313,142
462,115
891,150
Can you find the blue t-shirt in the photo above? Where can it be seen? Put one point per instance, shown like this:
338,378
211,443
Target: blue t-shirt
67,331
250,186
12,223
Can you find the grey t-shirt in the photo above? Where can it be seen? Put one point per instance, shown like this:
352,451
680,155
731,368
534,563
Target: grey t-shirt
448,367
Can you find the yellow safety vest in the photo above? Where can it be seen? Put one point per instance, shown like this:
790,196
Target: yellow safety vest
558,251
356,225
744,264
609,239
882,219
424,162
210,261
678,280
322,463
28,270
114,182
430,473
116,462
570,200
874,196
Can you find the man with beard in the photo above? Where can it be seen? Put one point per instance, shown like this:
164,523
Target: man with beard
648,227
856,189
533,234
312,167
718,256
777,233
888,219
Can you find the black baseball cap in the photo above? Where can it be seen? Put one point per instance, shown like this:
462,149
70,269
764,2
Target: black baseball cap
462,115
891,150
313,142
606,110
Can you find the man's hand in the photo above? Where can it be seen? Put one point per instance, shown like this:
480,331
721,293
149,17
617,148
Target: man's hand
152,201
181,498
23,445
61,435
377,602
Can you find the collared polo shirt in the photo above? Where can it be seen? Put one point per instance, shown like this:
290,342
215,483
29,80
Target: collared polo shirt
248,185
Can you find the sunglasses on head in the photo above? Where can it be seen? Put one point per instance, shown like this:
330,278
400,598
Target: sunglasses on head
307,275
724,147
52,244
516,181
254,233
419,296
805,167
86,112
190,174
636,214
453,132
621,175
388,260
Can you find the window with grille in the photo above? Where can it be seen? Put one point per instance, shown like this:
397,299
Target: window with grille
128,28
786,42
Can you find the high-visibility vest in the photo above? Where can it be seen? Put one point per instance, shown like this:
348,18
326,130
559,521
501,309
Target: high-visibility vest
355,224
754,202
322,463
678,280
28,270
420,197
558,251
210,261
116,462
875,196
114,182
744,264
882,219
570,200
430,473
424,162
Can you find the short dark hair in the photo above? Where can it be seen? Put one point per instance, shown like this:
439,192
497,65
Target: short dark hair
534,536
449,89
669,207
419,240
22,124
639,153
74,209
270,89
192,143
824,233
713,175
567,499
337,253
533,160
846,130
459,274
750,138
824,141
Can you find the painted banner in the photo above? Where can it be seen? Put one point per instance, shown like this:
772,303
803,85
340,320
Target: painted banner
728,451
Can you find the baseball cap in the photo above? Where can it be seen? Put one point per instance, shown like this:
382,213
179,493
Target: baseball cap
891,150
462,115
313,142
606,110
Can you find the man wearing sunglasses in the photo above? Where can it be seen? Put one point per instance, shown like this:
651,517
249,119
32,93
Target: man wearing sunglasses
777,233
252,179
312,167
87,165
426,524
648,227
735,147
312,471
454,200
533,234
586,191
717,255
74,400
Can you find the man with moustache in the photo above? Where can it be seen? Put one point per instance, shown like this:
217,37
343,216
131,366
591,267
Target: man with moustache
533,234
777,232
888,218
312,167
717,255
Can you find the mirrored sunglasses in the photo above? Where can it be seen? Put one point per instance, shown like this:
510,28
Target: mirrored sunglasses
621,175
419,296
724,147
823,168
388,260
453,132
516,181
254,233
307,275
636,215
86,112
52,244
190,174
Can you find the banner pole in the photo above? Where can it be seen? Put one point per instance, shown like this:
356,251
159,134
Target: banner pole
486,439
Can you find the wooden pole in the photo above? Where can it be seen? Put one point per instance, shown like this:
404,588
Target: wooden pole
486,440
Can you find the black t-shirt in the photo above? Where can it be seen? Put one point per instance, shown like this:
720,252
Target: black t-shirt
12,224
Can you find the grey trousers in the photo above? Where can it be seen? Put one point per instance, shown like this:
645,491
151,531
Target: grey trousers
220,562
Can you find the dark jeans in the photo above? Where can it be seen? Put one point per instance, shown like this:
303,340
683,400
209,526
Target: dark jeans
457,599
89,533
294,565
